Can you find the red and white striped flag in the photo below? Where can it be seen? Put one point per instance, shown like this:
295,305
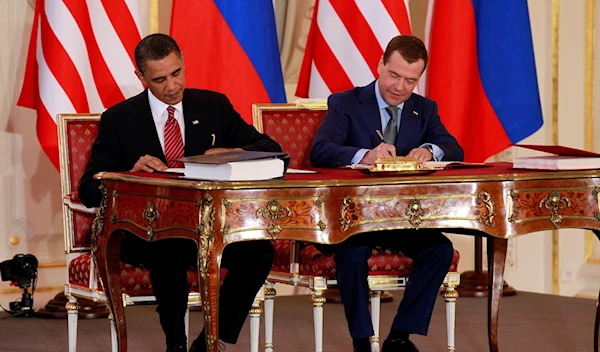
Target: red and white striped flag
345,42
80,60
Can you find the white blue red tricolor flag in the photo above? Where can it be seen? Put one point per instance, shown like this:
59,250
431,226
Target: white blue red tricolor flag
230,46
80,60
482,73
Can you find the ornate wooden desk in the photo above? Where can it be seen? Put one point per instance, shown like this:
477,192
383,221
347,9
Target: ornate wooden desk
330,206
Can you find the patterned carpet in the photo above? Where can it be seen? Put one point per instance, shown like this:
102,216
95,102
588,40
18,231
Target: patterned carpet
528,322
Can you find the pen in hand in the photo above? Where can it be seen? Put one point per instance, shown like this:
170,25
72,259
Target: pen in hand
380,136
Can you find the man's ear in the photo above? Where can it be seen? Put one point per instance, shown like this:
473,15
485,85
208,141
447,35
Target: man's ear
380,66
140,76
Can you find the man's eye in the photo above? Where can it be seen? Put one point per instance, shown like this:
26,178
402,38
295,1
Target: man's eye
410,81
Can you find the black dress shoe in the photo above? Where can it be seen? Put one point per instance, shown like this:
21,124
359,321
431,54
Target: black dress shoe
198,346
362,347
399,345
181,348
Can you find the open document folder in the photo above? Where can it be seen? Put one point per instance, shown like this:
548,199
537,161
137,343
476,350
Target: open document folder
564,158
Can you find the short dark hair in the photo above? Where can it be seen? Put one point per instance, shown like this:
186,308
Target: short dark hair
154,47
410,47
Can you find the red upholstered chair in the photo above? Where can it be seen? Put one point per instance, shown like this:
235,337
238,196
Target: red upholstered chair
302,264
77,133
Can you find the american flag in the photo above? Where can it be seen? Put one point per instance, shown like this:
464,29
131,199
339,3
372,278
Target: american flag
346,41
80,60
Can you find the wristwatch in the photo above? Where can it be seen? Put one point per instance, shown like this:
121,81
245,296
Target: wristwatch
430,148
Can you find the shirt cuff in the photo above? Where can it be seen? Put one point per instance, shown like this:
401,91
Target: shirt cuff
438,153
360,154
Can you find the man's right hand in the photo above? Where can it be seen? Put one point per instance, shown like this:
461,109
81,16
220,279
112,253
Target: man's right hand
383,150
148,163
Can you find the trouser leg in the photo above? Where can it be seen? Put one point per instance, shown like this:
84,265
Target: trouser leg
248,265
432,255
168,261
351,273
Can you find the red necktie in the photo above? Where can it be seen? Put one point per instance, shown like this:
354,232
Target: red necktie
173,140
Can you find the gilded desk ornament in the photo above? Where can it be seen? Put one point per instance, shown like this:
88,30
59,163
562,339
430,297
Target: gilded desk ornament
206,241
414,212
98,223
273,229
487,219
206,232
113,216
199,224
345,222
595,193
150,214
322,224
274,211
512,217
555,203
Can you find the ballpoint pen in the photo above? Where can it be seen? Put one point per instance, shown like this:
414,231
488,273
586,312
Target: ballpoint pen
380,135
213,140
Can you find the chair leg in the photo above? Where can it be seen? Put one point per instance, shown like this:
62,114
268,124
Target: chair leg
450,295
72,308
113,334
318,300
187,325
269,310
375,318
255,313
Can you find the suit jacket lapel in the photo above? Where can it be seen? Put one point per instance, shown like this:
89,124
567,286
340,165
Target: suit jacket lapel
407,124
194,124
146,129
369,113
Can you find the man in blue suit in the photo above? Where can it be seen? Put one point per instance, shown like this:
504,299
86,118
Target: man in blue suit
411,127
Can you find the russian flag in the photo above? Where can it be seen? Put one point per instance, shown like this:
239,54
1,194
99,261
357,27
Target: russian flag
482,73
230,46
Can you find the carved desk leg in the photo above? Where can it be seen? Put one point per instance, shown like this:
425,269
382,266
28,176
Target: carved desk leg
597,322
210,249
496,249
108,261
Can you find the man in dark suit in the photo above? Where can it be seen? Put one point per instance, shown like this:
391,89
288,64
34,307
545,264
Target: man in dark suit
411,127
144,133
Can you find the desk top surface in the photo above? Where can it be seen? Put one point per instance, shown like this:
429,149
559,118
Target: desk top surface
348,177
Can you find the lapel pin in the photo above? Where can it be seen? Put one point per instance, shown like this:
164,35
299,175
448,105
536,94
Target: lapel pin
195,122
415,113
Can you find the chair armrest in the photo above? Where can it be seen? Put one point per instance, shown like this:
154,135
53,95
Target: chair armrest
78,206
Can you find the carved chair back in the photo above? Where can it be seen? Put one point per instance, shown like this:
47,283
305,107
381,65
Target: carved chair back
293,126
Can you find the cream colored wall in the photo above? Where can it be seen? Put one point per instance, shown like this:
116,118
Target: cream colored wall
30,191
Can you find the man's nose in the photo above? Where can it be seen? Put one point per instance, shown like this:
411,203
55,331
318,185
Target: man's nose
170,84
399,84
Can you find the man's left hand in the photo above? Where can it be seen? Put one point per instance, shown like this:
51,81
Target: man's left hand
222,150
423,154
